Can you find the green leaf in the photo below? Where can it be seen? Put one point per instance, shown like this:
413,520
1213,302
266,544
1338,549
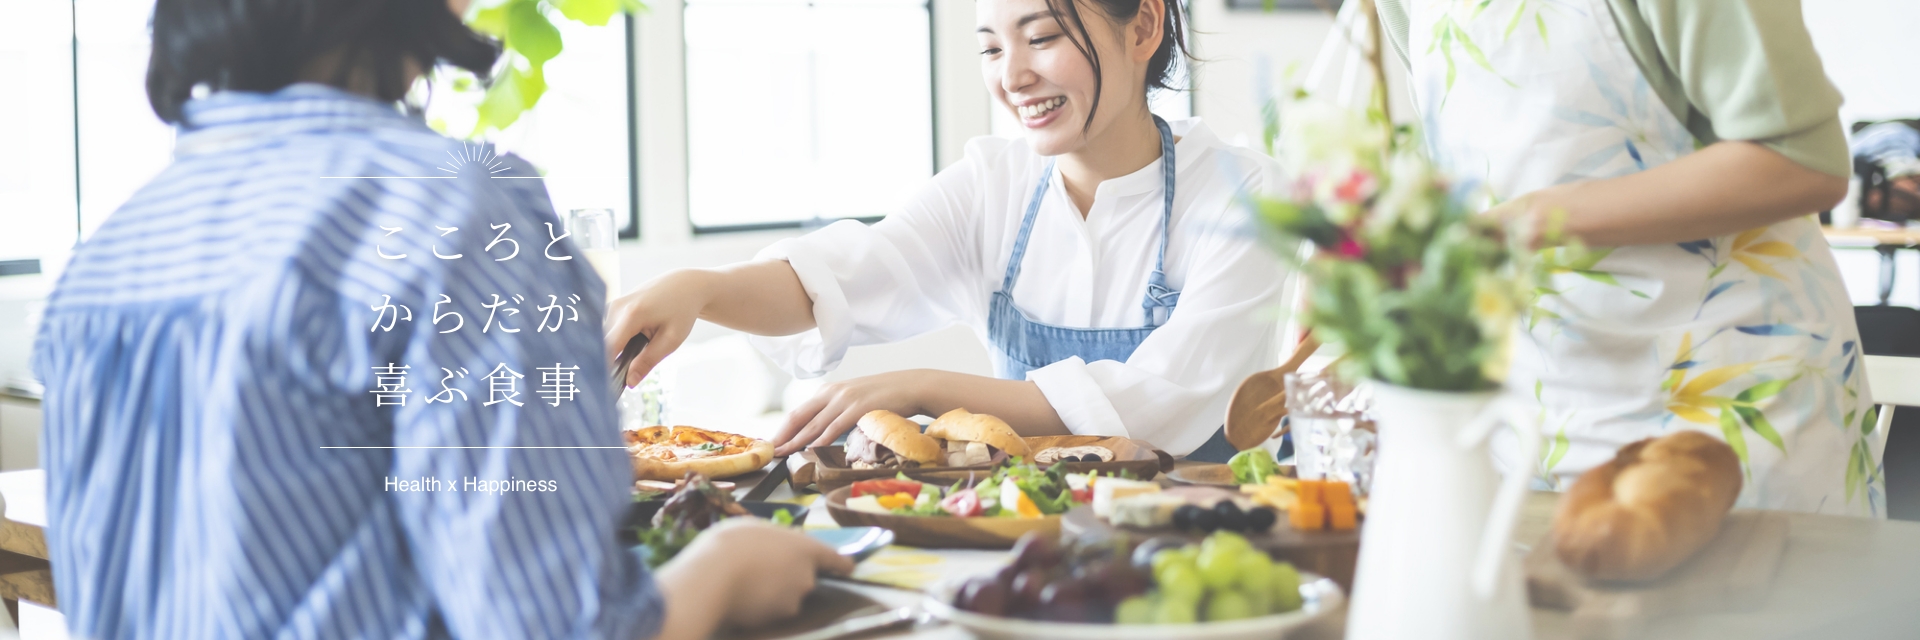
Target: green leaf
531,34
1473,51
1763,390
1856,465
514,93
1515,22
1869,421
1758,422
493,20
1730,428
591,12
1558,449
1542,22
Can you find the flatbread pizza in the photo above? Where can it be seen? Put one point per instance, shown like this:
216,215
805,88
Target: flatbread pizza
669,453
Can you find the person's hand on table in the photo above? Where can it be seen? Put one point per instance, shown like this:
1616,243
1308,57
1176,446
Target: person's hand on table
838,407
741,572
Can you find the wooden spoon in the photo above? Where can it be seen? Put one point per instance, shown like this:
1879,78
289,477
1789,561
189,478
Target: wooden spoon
1257,406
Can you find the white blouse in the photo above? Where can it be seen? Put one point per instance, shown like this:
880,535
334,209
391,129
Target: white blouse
939,260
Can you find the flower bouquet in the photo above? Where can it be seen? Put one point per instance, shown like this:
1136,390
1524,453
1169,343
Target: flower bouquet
1415,288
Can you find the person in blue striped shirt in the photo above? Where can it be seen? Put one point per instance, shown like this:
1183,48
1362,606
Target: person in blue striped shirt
285,398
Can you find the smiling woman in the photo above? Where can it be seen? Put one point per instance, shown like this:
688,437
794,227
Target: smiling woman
1140,312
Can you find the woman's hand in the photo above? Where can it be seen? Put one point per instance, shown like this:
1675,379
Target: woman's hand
663,309
762,298
838,406
744,573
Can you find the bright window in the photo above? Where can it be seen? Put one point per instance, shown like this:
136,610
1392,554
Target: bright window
803,110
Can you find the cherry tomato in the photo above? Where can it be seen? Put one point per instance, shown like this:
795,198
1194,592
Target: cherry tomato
886,487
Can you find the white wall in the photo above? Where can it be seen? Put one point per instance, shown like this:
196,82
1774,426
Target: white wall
1868,49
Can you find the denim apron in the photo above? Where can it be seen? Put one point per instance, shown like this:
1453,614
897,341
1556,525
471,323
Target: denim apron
1022,344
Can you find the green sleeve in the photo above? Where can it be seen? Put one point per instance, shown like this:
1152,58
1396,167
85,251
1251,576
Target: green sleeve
1739,70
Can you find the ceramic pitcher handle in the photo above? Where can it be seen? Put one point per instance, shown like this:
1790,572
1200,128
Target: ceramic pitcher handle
1513,489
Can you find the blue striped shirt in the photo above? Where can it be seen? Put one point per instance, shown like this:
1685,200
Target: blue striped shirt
218,331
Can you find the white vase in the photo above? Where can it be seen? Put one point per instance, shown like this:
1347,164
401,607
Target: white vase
1436,561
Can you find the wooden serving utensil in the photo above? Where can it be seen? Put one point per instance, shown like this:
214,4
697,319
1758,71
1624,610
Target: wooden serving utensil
1257,406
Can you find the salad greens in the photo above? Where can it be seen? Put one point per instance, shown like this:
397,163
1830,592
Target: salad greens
1049,490
1252,466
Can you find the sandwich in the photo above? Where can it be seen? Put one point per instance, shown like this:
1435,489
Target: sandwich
976,439
884,440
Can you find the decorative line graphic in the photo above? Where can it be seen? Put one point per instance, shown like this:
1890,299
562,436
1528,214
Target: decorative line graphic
479,156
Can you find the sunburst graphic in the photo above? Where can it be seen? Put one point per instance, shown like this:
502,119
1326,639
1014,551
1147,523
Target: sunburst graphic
471,155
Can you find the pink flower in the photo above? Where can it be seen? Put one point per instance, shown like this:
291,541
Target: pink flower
1358,186
1349,249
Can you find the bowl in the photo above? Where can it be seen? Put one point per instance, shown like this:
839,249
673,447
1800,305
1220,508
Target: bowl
1320,597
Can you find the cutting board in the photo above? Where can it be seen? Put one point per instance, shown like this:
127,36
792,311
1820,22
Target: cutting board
1731,573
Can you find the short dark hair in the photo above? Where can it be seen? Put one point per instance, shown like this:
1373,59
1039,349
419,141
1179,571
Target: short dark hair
1173,41
263,45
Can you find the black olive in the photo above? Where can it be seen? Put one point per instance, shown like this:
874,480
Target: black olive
1261,519
1230,516
1183,516
1205,520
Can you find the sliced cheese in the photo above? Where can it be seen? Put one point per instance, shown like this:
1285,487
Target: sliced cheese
1109,489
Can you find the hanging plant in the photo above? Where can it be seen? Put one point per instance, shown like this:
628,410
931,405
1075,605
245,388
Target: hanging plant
528,40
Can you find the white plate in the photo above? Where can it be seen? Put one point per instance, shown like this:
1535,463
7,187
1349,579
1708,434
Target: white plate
1320,597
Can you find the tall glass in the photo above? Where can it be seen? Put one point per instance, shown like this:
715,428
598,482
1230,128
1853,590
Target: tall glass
1333,438
596,235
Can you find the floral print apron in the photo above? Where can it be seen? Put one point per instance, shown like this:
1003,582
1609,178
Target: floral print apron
1749,336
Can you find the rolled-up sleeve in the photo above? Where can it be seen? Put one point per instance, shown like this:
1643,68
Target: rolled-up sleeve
1748,68
915,271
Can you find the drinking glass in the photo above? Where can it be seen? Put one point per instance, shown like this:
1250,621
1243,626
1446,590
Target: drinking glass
596,235
1333,438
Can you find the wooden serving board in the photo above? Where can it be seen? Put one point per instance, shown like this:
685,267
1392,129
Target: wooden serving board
1731,573
826,467
1329,553
939,531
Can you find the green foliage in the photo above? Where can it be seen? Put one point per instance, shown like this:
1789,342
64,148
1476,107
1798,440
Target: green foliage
529,38
1416,288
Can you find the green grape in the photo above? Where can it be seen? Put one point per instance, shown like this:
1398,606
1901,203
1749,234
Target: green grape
1135,610
1256,581
1182,583
1162,558
1256,573
1286,587
1260,602
1176,611
1226,539
1228,605
1219,566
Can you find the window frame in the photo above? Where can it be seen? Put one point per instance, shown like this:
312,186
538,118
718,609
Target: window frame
933,159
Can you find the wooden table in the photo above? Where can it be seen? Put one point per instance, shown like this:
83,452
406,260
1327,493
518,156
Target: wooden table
24,571
1841,577
1888,242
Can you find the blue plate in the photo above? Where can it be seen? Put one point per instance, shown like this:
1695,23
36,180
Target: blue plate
858,543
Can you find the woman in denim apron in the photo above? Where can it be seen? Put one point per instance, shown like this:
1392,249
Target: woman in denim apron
1144,300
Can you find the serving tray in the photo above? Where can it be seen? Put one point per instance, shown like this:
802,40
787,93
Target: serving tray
826,467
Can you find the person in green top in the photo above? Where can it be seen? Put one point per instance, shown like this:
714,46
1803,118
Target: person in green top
1683,143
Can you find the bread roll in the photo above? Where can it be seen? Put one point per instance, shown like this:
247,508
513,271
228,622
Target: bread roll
1649,509
900,435
960,424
